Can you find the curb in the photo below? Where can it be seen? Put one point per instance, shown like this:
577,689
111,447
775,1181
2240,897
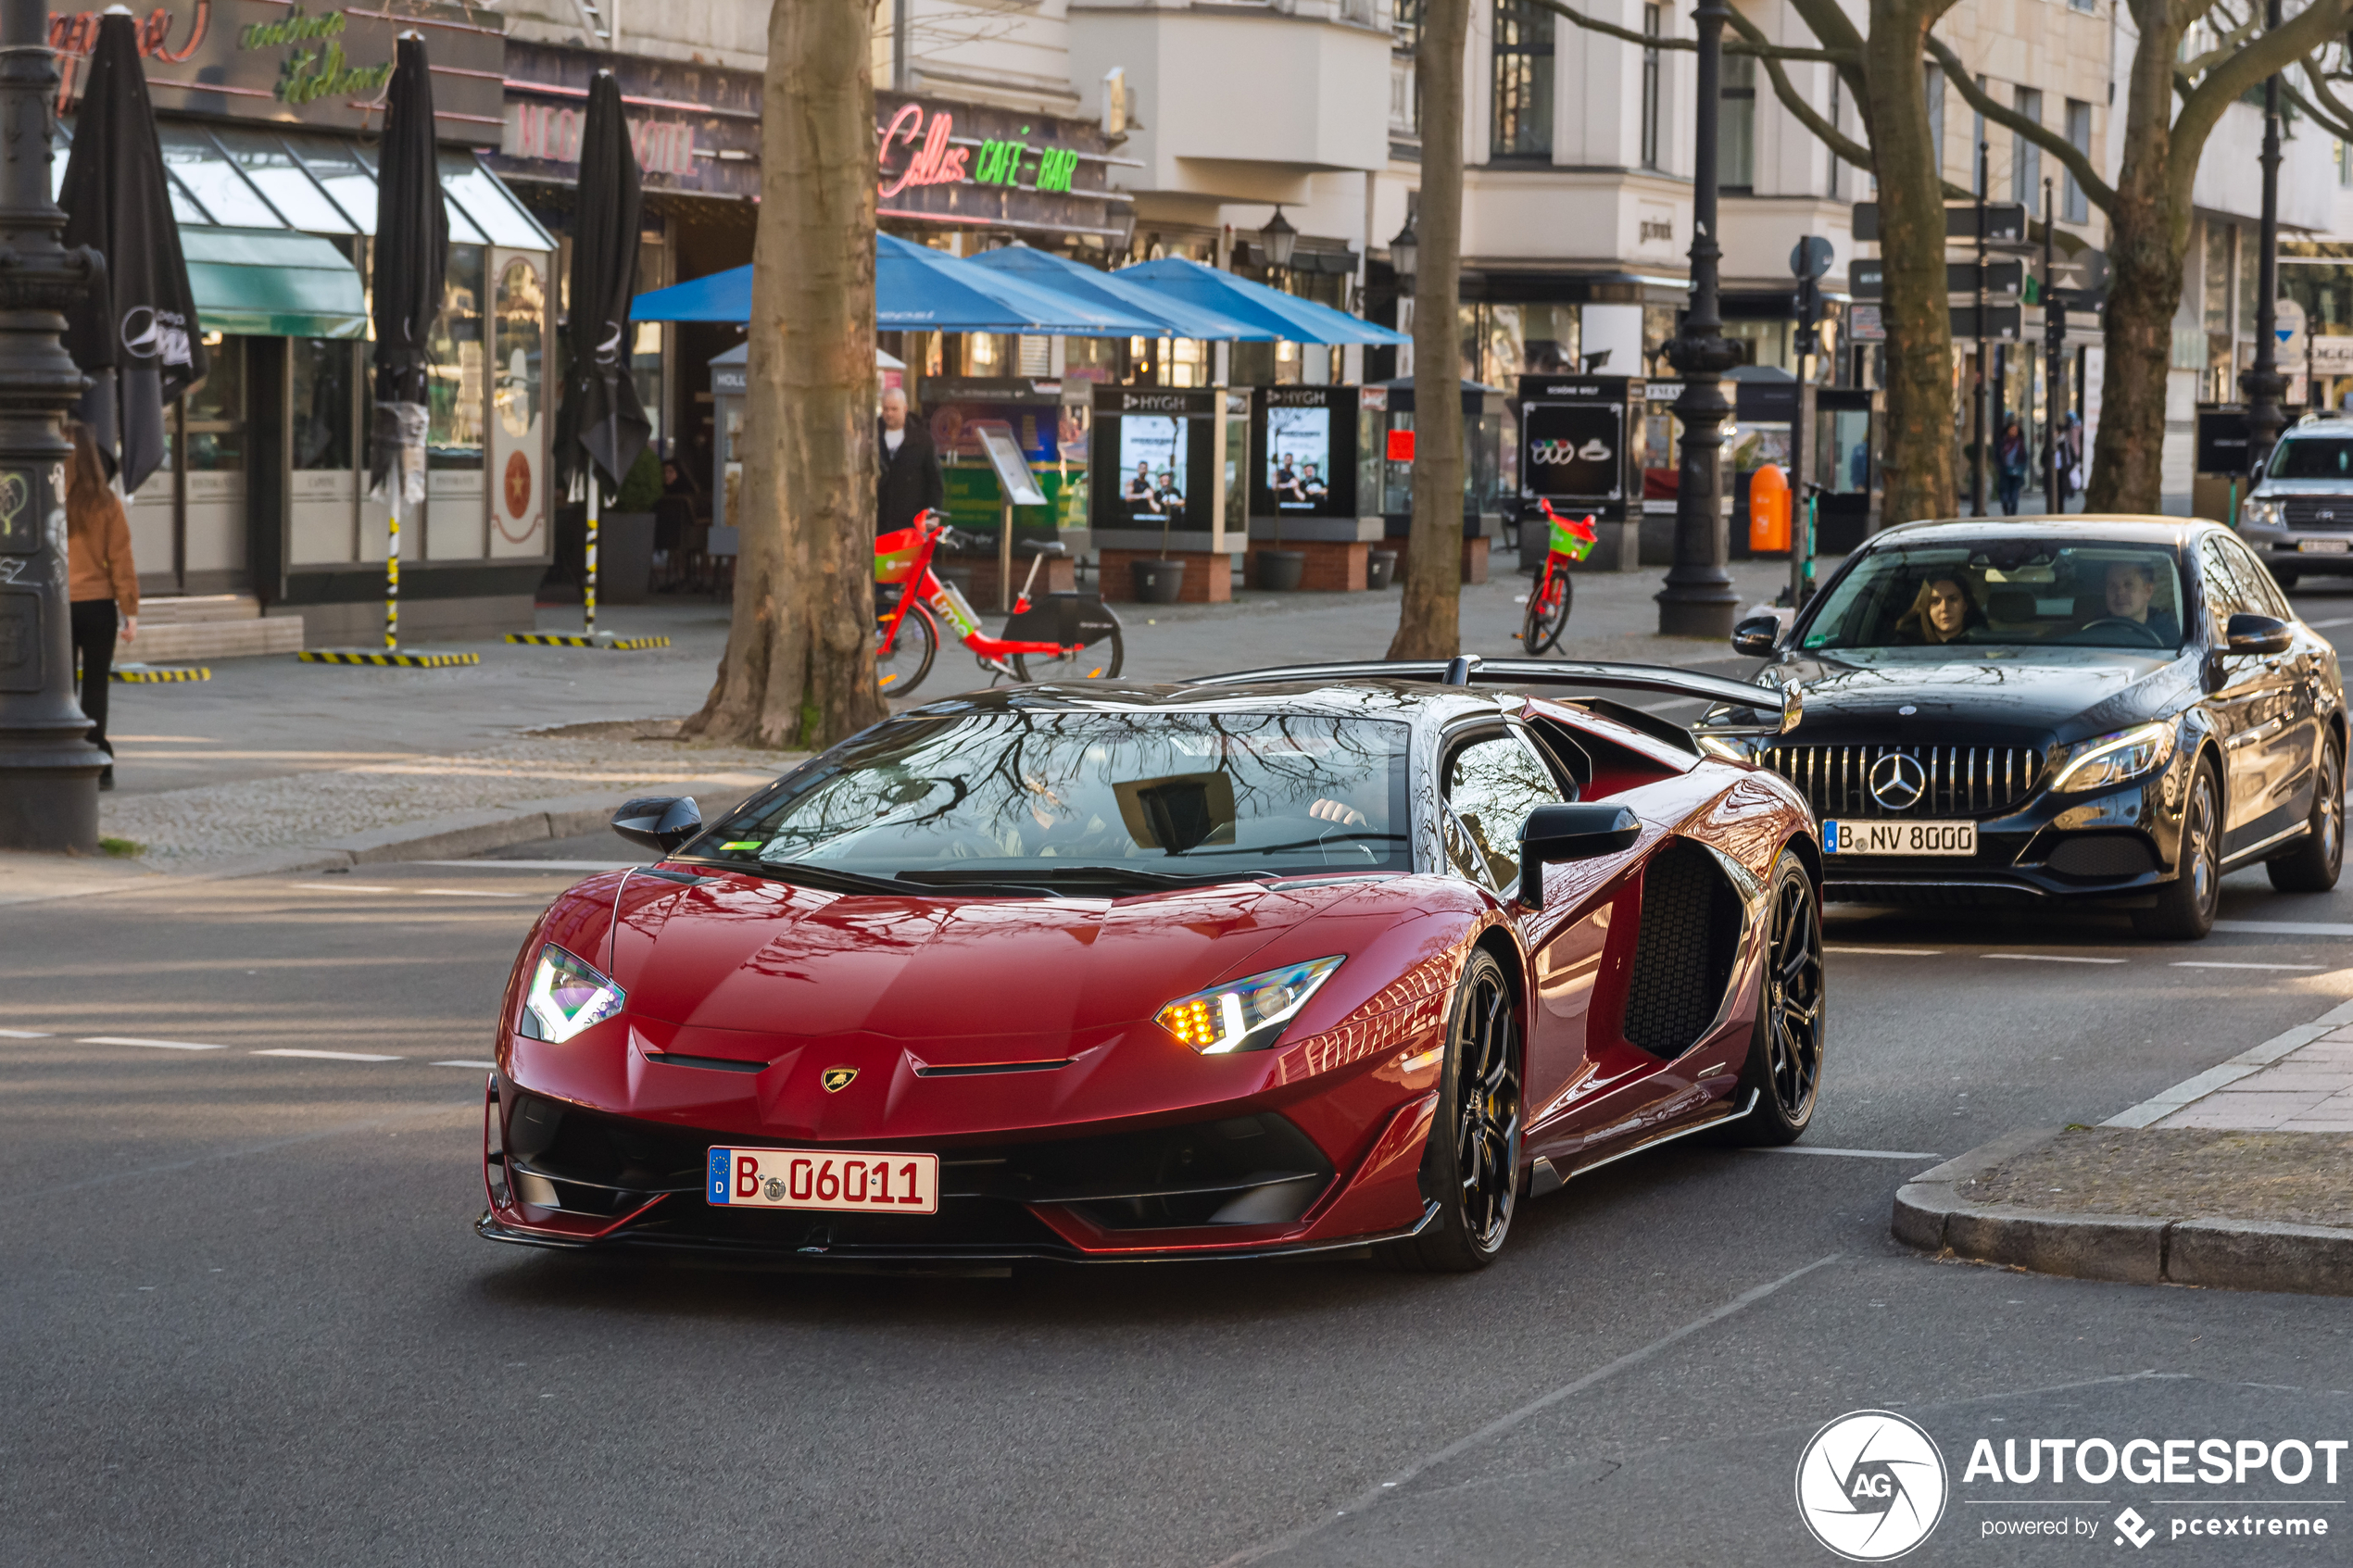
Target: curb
2123,1249
454,836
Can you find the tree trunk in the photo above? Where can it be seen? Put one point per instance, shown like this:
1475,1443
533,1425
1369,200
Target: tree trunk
2147,243
799,667
1918,460
1429,618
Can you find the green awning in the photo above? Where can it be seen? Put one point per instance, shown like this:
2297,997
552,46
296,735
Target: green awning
273,282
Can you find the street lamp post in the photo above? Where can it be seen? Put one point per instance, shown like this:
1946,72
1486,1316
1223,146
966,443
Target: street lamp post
48,769
1698,600
2263,383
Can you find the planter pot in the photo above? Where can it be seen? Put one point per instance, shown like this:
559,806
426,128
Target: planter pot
1281,571
1157,582
1381,569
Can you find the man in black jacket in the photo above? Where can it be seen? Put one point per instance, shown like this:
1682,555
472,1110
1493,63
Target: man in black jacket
908,482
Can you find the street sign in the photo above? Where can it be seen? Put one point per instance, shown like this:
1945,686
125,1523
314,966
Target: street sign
2002,323
2004,276
1863,324
1810,257
2287,331
2005,222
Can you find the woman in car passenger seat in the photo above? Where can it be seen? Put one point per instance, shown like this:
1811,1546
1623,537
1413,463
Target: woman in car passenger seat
1946,608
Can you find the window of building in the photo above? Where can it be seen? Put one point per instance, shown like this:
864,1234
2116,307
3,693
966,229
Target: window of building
2345,164
454,365
2079,136
320,400
1523,118
1736,125
1652,17
2026,154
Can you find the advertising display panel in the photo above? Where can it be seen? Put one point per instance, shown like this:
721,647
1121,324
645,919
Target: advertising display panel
1581,442
1304,440
1157,460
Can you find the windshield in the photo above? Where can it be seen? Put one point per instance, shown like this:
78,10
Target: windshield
2312,458
1067,799
2007,592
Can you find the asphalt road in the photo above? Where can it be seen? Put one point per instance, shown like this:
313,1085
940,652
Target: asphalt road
244,1319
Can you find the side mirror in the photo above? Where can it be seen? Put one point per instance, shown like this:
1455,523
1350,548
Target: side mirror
1756,638
659,821
1581,831
2257,634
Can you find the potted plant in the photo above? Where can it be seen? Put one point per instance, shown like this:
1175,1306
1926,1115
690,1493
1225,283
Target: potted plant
1160,582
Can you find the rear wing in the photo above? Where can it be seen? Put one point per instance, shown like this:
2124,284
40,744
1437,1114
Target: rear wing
1777,709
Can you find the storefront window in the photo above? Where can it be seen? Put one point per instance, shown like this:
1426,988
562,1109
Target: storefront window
645,369
321,399
215,420
1548,340
453,385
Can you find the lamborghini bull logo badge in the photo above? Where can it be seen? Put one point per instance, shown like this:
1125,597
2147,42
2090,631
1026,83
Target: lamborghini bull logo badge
836,1079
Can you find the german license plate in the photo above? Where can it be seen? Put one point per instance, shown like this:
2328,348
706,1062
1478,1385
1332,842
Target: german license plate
2324,547
870,1181
1899,838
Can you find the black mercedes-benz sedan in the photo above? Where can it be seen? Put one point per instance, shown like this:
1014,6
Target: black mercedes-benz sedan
2031,709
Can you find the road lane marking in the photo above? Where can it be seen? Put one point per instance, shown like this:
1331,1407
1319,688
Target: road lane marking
2327,625
1372,1496
420,891
340,887
134,1040
1891,952
22,1035
2050,957
2285,927
325,1056
2204,963
1846,1153
488,1066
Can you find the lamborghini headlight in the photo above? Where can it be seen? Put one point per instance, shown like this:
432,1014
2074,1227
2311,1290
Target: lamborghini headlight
1245,1015
2113,759
566,997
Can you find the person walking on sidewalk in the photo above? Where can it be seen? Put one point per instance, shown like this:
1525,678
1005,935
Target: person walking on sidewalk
2009,458
102,582
909,483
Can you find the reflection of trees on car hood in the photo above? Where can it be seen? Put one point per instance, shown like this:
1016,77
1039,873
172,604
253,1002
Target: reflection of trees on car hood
2044,689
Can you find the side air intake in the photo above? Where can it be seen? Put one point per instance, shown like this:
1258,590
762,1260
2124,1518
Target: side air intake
1683,956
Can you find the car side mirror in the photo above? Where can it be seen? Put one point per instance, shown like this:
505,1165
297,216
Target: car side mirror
666,823
1584,831
2257,634
1756,637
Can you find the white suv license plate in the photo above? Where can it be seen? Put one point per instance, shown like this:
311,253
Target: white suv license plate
2324,547
1899,838
868,1182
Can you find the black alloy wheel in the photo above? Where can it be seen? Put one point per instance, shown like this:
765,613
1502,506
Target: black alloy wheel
1472,1166
1785,1065
2185,906
2312,865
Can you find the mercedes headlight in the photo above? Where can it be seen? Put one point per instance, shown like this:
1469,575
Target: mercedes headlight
2113,759
566,998
2263,513
1245,1015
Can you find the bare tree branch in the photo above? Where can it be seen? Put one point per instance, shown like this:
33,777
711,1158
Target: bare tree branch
2078,162
1758,46
1837,141
2332,114
2317,25
2191,69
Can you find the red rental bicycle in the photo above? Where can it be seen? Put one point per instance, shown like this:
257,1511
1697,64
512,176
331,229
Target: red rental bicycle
1065,636
1549,600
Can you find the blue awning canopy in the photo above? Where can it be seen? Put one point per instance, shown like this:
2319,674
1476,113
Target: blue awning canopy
1177,316
1283,315
919,289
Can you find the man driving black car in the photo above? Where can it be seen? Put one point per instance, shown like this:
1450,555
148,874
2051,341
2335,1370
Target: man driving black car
2131,585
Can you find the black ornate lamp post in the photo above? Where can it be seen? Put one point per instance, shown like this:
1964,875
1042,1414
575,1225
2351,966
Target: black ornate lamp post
1405,255
2263,383
1280,238
48,769
1698,600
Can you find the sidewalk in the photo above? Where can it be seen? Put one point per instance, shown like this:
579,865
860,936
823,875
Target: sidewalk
2239,1178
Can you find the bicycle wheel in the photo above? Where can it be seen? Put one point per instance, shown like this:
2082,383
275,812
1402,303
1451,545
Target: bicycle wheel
1546,615
902,668
1098,661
